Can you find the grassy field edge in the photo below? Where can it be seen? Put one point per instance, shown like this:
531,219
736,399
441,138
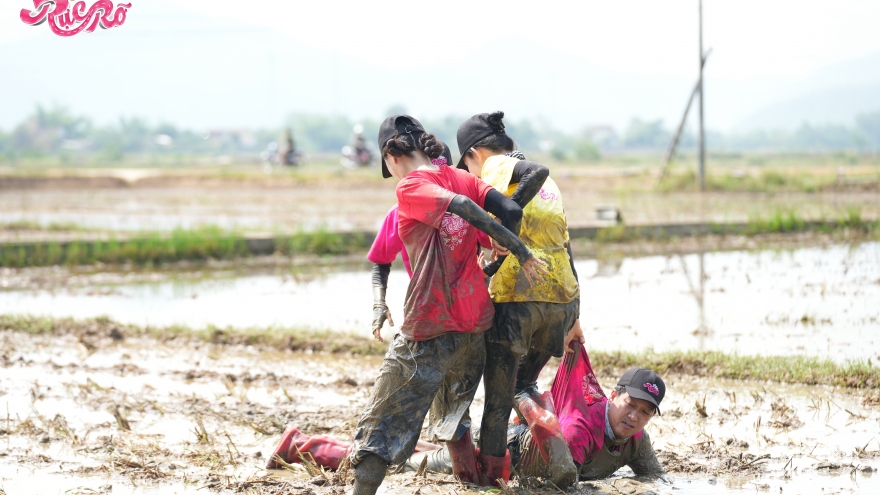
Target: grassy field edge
710,364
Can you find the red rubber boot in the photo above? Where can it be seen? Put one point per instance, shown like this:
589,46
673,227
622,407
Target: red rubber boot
540,414
290,435
464,459
494,469
326,451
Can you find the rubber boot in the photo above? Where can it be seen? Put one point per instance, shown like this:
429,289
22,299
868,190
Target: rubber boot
530,367
494,469
368,475
464,458
324,450
540,415
290,435
438,461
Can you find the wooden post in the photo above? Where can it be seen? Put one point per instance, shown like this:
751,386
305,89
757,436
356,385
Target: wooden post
702,150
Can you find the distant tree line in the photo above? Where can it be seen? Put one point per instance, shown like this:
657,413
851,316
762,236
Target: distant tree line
56,131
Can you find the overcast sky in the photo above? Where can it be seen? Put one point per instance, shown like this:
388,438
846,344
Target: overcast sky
754,42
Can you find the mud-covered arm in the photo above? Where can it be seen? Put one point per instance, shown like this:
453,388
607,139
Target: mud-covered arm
530,177
380,309
575,273
505,209
645,462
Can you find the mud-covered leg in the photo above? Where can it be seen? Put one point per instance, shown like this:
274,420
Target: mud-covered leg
527,377
368,475
539,413
498,380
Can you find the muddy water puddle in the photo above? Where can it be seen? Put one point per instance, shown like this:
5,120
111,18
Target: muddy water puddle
820,301
139,416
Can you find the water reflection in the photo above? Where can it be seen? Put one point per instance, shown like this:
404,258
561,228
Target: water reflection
814,301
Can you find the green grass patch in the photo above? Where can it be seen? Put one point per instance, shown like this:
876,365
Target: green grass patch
766,181
321,242
148,248
281,338
716,364
151,248
32,225
709,364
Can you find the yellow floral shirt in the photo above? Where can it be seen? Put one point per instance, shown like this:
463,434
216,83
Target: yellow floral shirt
545,232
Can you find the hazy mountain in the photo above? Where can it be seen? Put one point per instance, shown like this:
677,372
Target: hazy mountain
833,95
168,64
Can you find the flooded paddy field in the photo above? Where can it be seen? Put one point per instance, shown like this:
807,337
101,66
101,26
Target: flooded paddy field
99,411
102,413
820,301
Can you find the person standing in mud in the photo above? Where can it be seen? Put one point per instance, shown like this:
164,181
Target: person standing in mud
447,308
532,322
384,250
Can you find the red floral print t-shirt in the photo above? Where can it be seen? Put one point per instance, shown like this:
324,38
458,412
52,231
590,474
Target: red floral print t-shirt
446,292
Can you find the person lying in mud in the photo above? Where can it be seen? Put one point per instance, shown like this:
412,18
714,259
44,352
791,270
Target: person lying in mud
603,434
447,307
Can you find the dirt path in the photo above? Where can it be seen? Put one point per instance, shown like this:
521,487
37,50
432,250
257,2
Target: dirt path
92,414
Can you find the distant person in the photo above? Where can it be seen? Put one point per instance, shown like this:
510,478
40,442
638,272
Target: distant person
289,156
362,153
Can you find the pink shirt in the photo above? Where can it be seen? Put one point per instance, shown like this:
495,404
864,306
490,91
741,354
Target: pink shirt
387,243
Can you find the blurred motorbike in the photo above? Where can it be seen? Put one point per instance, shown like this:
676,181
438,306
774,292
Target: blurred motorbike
271,157
353,158
357,154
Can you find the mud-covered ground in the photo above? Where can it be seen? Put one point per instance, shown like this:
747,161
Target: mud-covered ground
100,413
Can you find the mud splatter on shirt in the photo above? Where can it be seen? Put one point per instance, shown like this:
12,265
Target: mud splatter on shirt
446,292
545,231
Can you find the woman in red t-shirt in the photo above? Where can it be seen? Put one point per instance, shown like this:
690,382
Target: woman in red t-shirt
447,307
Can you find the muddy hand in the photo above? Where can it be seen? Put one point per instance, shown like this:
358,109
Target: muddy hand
535,270
575,333
380,314
498,249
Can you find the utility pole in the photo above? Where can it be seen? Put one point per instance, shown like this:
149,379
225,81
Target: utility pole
702,151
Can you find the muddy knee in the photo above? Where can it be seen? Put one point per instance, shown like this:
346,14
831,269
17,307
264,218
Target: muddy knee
368,475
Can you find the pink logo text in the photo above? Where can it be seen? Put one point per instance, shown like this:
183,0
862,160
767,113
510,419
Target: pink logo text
68,21
652,388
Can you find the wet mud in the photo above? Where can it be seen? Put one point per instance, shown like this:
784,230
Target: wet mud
105,413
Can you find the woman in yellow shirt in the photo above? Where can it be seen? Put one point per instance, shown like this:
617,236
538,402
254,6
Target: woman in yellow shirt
531,322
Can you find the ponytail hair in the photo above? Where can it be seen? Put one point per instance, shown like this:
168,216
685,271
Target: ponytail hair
498,142
408,143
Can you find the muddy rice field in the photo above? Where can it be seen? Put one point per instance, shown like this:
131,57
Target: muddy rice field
100,411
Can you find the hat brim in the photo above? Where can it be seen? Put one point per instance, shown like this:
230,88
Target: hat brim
638,393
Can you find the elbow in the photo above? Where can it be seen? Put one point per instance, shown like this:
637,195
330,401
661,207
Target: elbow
516,214
542,173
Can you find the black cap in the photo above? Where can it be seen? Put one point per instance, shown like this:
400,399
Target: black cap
391,127
644,384
471,132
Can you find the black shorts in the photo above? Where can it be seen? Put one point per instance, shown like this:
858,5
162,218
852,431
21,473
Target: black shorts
533,326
